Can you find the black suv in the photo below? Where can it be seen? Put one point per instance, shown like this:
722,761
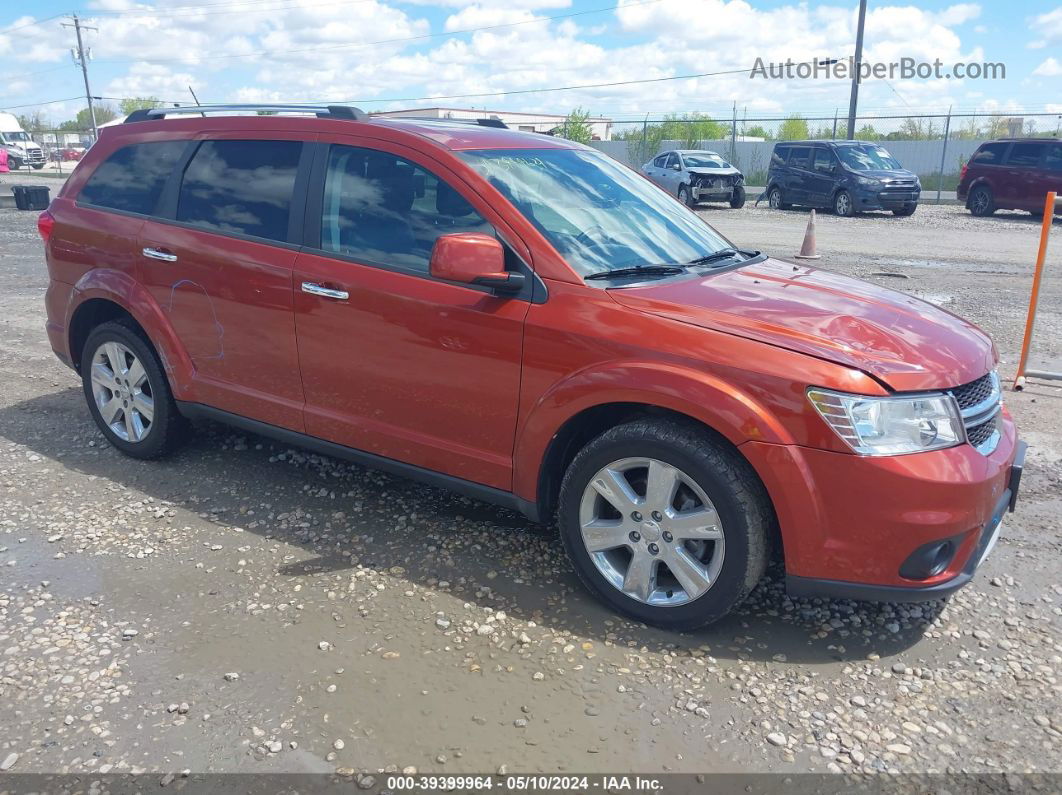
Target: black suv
844,176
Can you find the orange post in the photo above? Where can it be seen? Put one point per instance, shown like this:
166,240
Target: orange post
1041,255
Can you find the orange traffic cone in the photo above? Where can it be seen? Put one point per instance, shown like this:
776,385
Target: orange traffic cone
807,250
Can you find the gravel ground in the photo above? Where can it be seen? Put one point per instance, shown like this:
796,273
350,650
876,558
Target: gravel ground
248,607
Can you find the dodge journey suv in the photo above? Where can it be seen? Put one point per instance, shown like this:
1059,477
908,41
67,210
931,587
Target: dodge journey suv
524,320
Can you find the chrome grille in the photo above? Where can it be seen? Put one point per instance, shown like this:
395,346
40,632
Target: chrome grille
979,403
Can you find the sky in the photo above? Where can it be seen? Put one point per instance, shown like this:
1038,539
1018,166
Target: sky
389,54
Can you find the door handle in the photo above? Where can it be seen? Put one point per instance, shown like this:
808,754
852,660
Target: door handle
325,292
162,256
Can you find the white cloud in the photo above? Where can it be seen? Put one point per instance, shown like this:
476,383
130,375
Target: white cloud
1048,29
1049,68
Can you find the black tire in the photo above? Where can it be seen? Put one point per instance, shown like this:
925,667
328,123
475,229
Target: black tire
843,204
14,163
737,200
774,199
167,427
685,195
981,202
906,210
38,166
726,478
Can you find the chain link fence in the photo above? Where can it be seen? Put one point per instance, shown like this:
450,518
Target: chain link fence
934,146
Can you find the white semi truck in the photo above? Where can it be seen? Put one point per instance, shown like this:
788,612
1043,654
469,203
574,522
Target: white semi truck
21,149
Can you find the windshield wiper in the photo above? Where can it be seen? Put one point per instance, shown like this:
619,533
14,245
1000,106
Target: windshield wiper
723,253
638,270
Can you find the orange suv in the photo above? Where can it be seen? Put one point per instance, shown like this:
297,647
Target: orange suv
523,320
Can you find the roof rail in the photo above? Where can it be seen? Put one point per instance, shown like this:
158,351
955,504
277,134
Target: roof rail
348,112
481,122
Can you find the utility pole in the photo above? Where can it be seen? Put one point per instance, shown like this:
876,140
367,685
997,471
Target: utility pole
855,72
82,59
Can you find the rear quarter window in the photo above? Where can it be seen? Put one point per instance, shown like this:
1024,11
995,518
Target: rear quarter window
132,177
989,154
779,155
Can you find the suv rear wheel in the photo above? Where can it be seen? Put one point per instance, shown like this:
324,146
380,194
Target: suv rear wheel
664,523
127,392
982,202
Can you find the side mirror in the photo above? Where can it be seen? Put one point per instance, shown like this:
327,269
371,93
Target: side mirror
677,167
473,258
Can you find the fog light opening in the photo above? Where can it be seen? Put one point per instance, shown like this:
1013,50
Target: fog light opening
930,560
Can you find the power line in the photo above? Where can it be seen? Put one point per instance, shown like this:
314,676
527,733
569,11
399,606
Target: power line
238,8
36,104
31,24
423,37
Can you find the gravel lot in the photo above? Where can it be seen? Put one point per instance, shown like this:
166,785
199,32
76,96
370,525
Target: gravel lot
248,607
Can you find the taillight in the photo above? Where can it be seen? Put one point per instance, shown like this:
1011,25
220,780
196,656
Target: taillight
962,171
45,224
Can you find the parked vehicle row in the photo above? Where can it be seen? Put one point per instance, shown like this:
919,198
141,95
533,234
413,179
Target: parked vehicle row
523,320
849,177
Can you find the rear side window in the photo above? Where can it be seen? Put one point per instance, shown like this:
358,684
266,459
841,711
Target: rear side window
989,154
801,157
1025,155
1054,157
381,208
780,155
132,178
661,161
241,187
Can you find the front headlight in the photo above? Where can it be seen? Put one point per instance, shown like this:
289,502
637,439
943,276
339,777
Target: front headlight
870,182
891,425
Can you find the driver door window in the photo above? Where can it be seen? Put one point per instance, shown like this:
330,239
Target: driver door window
379,208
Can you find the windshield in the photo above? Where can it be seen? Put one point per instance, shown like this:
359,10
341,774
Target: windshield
868,158
10,137
598,214
704,160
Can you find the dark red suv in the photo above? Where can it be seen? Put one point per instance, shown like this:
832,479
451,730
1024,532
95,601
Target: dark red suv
523,320
1013,174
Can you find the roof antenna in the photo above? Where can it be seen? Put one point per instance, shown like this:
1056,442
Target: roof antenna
197,102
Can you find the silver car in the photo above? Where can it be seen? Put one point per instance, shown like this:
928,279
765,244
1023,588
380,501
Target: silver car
696,176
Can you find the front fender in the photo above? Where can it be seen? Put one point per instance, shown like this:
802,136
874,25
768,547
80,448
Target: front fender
720,405
122,289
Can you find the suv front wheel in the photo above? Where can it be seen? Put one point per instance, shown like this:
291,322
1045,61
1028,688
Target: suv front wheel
664,523
127,392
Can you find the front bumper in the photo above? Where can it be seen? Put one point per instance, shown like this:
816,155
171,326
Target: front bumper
849,523
714,193
885,198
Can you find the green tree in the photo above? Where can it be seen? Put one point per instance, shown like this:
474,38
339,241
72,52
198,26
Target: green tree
32,121
868,133
129,104
691,128
83,121
794,128
757,131
643,143
577,127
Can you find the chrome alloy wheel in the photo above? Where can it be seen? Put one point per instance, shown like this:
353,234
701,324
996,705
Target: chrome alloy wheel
979,201
842,204
651,531
122,392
